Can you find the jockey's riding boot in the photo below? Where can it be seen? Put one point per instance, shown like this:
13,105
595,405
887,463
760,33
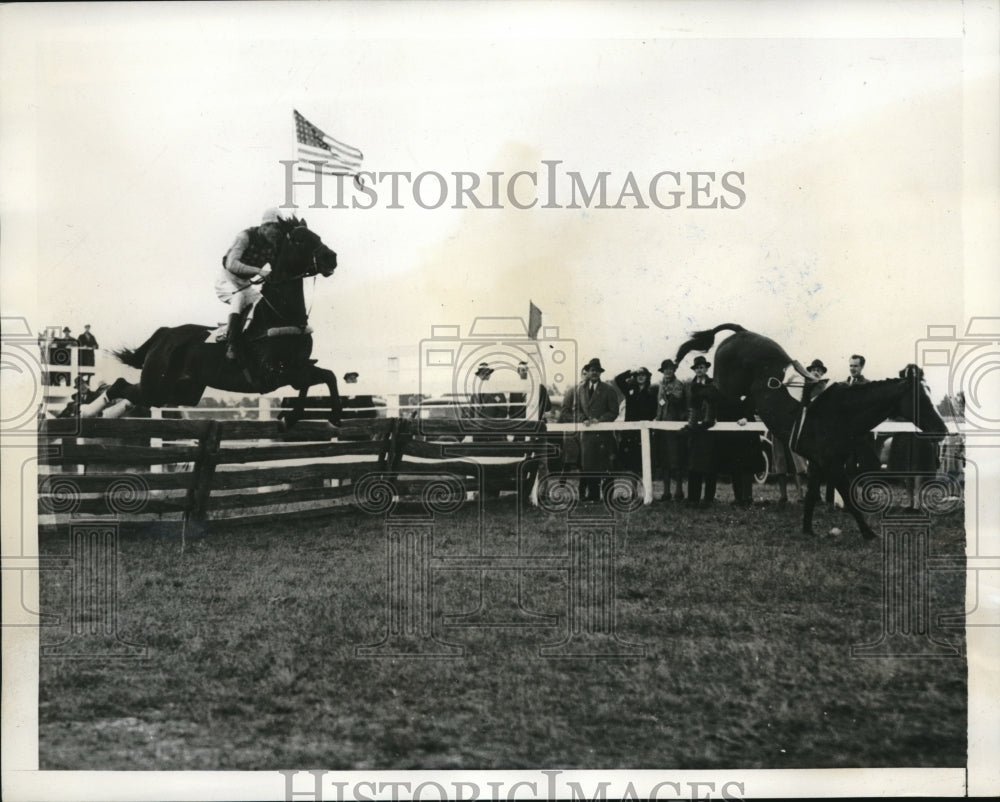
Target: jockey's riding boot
232,333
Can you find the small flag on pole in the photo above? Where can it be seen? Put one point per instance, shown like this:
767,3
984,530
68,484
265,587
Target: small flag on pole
313,147
534,320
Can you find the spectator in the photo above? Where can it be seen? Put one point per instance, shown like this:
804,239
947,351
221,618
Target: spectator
787,463
640,404
571,441
519,404
861,455
855,365
487,404
88,344
700,398
912,453
672,446
593,401
60,354
67,337
738,453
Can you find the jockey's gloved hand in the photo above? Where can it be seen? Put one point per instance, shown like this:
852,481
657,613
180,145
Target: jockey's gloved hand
265,271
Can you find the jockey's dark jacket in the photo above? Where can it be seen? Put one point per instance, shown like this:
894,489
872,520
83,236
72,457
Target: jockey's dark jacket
250,252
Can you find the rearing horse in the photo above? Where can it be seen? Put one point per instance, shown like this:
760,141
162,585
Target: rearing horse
749,364
178,363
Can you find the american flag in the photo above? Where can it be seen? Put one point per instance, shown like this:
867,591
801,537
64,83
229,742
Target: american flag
312,145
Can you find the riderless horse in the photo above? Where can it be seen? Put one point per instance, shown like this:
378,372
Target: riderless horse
179,363
820,429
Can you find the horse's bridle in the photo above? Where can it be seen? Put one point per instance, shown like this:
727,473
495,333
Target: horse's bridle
313,271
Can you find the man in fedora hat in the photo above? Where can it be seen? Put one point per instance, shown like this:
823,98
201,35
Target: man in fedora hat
672,445
487,403
700,398
592,401
817,368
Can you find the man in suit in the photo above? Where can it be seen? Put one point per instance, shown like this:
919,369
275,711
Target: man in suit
855,365
861,457
700,397
88,344
593,401
488,405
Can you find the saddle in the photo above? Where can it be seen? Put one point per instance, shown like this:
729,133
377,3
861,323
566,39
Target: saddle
274,331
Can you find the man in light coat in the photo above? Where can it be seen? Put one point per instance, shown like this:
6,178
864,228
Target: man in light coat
593,401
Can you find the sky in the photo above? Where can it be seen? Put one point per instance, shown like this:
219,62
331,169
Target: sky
142,140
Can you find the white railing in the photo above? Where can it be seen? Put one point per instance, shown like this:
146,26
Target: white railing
645,427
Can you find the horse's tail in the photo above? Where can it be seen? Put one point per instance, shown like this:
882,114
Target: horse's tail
136,358
703,340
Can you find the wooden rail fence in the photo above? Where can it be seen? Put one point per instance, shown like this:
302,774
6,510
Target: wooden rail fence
229,471
225,471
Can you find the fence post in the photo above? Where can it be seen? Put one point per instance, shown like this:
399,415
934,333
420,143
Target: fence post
647,466
204,470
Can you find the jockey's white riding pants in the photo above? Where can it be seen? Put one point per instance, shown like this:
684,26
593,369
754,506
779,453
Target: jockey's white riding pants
235,292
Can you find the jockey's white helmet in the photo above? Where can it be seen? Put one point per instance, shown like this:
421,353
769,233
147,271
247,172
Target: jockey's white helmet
271,216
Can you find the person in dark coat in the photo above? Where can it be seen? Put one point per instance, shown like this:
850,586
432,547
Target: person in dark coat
487,405
671,446
737,453
911,453
862,457
640,404
701,397
88,344
593,401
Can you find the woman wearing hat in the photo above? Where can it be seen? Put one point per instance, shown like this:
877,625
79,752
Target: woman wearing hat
592,401
701,397
640,404
672,446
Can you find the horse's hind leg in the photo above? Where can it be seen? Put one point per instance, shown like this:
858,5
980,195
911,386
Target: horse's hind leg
843,487
130,392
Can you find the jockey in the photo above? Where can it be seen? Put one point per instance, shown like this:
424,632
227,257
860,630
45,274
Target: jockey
250,256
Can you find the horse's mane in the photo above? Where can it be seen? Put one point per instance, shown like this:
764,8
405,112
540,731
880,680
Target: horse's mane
288,224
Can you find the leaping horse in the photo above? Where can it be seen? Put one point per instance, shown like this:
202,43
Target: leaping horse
749,364
179,363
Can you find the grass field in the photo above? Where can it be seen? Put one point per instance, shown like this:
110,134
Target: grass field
747,628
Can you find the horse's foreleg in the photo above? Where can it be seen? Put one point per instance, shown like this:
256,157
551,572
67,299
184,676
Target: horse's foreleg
327,377
307,379
813,479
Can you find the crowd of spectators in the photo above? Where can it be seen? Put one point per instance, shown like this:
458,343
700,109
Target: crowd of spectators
689,460
57,352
